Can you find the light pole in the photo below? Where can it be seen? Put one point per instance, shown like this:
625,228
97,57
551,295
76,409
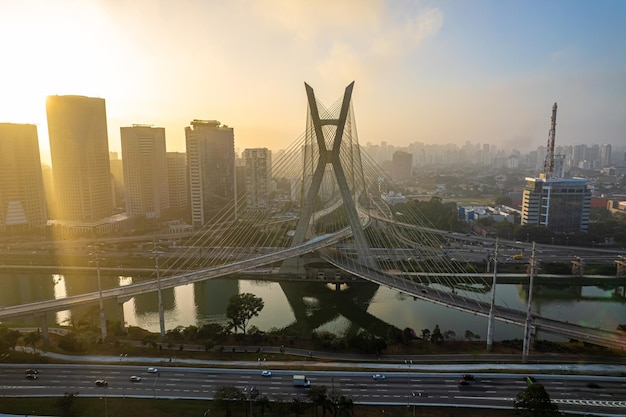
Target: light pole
528,322
103,323
250,391
409,362
106,405
490,323
157,253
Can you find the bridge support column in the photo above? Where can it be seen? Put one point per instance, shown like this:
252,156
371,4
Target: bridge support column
120,310
44,328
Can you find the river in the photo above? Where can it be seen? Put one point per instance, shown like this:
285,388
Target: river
314,305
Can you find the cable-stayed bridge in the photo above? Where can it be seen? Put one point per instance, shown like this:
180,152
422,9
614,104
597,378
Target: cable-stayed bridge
332,206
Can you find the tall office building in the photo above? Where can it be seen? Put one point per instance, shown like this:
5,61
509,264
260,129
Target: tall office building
117,176
177,182
402,168
145,171
79,147
605,155
579,155
560,204
22,198
211,165
258,169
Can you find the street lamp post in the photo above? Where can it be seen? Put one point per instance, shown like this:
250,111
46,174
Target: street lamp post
156,253
409,362
103,323
249,390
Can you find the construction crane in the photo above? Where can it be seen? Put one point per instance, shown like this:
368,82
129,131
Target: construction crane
548,165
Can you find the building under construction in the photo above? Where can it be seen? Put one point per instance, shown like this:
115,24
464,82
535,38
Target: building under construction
560,204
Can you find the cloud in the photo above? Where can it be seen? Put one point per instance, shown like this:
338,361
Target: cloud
404,39
310,20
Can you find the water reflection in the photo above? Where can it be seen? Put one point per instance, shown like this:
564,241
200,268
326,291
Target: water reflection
313,306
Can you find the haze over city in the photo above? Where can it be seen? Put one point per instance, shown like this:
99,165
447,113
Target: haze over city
484,71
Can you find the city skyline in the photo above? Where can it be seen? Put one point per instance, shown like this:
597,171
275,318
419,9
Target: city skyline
424,71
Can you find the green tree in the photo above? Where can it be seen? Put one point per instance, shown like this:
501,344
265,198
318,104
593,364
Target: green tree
503,200
297,406
449,335
535,401
241,308
225,396
64,404
263,403
318,395
9,337
344,406
32,339
436,337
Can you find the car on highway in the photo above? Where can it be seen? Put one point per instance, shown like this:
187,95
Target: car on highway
593,385
153,370
379,377
31,376
463,382
135,378
468,377
102,382
266,373
31,371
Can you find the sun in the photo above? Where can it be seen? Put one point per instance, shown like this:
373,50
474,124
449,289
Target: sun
57,47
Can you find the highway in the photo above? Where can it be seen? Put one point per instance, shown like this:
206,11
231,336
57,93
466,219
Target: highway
571,393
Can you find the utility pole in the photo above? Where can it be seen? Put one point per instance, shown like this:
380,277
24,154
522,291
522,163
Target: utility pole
528,324
157,252
103,322
493,300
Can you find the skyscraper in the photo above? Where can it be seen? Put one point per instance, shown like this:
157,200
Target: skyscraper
402,168
178,185
258,163
79,147
22,198
145,170
211,164
605,155
560,204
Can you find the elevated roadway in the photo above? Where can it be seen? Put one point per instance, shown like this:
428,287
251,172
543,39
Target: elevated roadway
129,291
613,340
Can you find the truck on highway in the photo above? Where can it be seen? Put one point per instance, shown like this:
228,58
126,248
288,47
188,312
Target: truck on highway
301,381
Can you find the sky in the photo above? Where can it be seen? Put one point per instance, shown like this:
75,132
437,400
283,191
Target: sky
446,71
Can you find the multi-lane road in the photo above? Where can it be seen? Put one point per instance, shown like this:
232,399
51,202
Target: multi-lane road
585,394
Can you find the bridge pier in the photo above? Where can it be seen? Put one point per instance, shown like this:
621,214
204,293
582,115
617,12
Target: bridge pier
120,311
44,327
293,266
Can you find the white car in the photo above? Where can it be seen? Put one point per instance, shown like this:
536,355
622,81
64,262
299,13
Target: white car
266,373
153,370
135,378
379,377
